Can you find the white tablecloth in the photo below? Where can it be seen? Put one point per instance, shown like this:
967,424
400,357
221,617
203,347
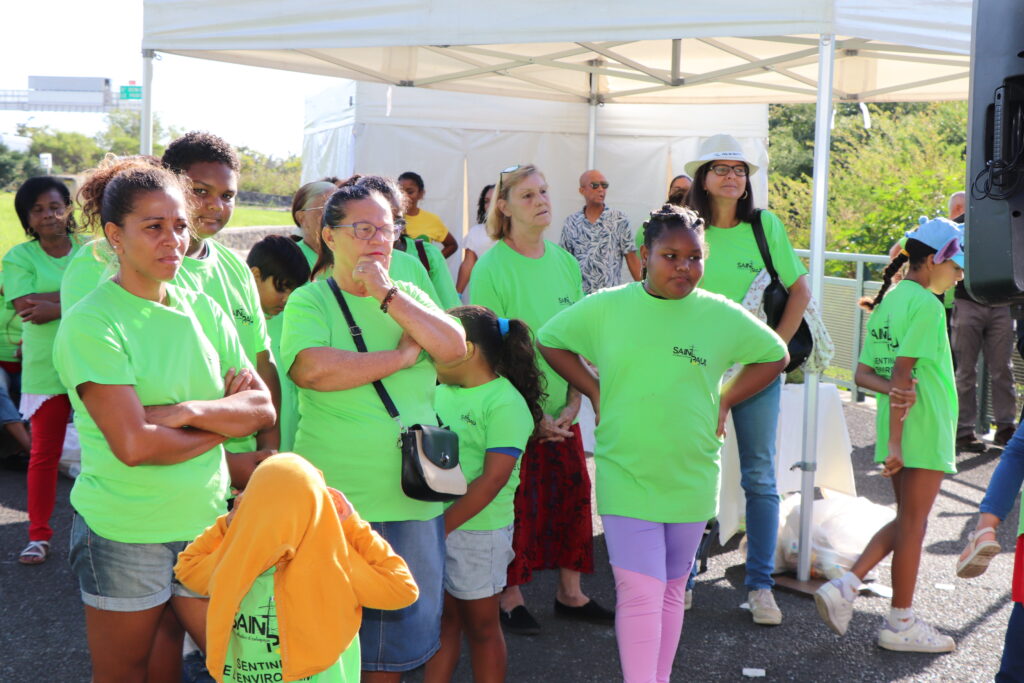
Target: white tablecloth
834,469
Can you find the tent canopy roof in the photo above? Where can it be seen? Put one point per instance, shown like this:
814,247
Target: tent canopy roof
649,52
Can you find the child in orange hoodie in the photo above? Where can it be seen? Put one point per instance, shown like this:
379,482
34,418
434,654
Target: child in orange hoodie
288,572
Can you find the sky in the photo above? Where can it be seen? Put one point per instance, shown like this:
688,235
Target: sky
257,108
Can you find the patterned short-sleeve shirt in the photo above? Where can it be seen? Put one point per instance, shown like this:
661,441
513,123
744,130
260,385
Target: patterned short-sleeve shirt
599,247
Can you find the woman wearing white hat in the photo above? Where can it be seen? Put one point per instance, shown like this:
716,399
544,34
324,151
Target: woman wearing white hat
722,195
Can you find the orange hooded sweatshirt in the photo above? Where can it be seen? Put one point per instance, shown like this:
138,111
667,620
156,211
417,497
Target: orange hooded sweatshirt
326,570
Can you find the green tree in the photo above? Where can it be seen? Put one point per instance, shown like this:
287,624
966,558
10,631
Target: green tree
881,179
72,152
124,126
268,174
15,167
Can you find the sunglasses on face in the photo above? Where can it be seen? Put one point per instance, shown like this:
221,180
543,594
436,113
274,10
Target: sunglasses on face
724,169
594,186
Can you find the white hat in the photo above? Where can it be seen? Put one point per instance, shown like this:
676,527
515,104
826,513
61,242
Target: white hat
719,148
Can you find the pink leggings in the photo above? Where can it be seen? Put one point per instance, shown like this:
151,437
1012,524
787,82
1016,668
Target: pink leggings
651,562
49,425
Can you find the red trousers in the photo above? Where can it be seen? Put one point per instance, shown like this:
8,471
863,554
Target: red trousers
49,425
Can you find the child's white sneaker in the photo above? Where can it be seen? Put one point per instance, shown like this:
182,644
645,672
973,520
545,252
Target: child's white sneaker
920,637
834,609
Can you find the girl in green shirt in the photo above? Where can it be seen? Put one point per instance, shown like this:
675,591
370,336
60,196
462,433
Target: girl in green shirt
32,274
907,345
491,398
155,398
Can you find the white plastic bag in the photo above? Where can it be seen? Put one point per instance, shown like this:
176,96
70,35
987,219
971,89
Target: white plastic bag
842,526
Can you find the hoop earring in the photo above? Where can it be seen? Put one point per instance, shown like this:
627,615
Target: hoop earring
745,193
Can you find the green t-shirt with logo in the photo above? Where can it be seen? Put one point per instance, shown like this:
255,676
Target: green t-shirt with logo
10,330
533,290
492,415
661,363
30,270
910,322
734,260
254,648
222,275
348,434
164,352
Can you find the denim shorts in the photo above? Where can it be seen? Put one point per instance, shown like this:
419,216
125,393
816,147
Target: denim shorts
476,562
404,639
124,577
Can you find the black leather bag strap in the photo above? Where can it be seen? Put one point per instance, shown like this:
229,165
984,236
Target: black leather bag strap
357,338
421,250
762,246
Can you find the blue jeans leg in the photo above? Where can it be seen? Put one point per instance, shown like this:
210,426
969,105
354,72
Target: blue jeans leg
1006,479
755,421
1011,670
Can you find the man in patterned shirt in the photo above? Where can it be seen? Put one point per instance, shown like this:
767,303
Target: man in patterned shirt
599,237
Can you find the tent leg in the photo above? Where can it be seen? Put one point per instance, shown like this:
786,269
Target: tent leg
591,133
819,212
146,124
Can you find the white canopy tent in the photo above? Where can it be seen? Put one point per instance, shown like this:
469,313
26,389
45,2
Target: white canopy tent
598,51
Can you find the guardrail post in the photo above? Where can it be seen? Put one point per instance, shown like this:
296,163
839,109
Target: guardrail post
858,326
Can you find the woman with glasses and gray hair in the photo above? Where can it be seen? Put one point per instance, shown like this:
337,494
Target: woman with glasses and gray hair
722,195
344,428
527,277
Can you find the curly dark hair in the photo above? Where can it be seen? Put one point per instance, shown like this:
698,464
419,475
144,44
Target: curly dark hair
513,356
670,217
29,192
110,189
198,146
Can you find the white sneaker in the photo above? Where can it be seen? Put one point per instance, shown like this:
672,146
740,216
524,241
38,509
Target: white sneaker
834,609
688,600
763,608
920,637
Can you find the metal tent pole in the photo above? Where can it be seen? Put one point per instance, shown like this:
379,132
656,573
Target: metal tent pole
819,213
146,124
592,121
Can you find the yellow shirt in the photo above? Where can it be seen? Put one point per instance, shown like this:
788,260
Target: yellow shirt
426,224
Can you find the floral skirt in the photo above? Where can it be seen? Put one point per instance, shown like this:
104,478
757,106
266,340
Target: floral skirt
553,525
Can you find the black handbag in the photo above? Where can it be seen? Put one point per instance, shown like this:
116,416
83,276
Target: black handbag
430,453
775,298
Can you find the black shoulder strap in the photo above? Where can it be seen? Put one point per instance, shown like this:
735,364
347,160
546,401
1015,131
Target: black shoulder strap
762,246
422,251
357,338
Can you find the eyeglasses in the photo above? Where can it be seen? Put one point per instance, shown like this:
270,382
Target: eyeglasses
724,169
364,230
594,186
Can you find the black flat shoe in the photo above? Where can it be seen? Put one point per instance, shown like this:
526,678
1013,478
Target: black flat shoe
590,611
519,621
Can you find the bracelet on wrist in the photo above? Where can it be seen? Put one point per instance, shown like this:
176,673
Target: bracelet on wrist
392,293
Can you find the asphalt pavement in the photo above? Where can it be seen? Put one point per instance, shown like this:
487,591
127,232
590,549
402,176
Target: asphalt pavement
42,635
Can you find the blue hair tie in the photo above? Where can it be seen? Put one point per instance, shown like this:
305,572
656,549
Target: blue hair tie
503,327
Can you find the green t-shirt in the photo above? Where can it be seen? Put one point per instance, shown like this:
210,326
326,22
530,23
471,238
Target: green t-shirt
10,330
534,290
734,260
254,648
490,416
408,268
164,352
910,322
348,434
30,270
439,274
222,275
657,454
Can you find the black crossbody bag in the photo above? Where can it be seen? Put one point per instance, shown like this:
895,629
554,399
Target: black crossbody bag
430,453
775,298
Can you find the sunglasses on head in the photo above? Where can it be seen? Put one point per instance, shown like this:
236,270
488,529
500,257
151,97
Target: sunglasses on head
603,184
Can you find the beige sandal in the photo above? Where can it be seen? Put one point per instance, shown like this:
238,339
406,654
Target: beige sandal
979,554
35,552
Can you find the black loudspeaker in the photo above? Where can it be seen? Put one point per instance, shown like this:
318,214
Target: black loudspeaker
995,154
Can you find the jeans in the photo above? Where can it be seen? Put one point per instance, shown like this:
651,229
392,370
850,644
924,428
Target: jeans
1006,479
755,421
1011,669
10,386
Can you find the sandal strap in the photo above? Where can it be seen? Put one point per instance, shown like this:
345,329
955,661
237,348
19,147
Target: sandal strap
973,535
36,549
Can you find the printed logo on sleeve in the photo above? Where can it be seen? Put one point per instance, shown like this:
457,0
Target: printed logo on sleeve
243,316
691,353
